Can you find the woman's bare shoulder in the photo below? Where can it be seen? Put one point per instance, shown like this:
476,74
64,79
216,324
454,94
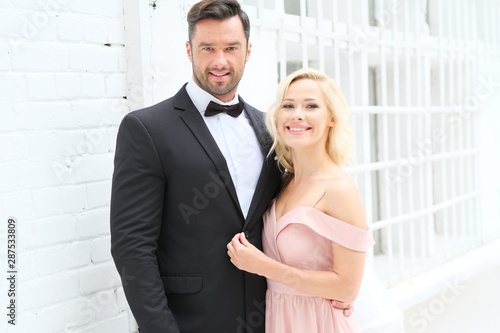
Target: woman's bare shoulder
343,201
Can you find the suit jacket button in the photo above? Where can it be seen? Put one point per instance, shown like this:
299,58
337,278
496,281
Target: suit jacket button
246,234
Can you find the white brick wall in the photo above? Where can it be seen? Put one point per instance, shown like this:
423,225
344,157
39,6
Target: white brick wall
62,83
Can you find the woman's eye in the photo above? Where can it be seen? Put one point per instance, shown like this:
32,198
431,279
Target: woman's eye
287,106
312,106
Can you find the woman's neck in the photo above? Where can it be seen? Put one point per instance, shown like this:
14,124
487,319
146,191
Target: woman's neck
310,164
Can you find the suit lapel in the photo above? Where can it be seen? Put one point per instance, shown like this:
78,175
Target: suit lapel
262,185
257,121
193,120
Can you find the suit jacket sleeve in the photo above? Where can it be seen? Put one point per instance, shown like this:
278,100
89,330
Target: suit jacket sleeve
136,214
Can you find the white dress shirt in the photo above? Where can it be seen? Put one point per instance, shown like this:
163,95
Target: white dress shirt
237,142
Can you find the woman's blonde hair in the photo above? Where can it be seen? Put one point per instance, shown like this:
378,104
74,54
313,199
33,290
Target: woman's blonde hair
339,140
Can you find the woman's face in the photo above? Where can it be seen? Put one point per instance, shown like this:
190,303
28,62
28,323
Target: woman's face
303,118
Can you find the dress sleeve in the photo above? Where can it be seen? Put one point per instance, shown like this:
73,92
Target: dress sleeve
336,230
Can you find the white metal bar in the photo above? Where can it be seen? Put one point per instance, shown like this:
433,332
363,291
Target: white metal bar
397,134
448,110
383,73
441,182
336,40
352,80
366,151
335,14
390,254
452,139
486,24
427,170
461,26
474,25
496,26
384,223
260,9
467,26
461,208
410,185
321,44
444,215
408,83
384,150
392,164
395,55
303,34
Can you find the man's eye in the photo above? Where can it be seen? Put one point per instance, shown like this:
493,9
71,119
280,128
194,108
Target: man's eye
231,48
207,49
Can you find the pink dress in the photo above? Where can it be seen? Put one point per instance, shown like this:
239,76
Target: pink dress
302,238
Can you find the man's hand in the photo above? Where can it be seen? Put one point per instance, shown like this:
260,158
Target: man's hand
347,307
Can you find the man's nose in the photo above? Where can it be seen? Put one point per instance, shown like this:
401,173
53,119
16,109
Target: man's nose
220,60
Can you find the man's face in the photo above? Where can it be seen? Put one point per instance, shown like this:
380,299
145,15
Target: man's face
219,52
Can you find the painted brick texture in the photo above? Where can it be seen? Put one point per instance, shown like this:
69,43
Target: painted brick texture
62,89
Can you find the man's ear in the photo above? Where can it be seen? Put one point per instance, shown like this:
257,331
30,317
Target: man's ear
249,52
189,51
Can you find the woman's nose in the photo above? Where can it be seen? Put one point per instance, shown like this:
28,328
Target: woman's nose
297,114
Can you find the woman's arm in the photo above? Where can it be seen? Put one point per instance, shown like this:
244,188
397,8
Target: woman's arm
343,282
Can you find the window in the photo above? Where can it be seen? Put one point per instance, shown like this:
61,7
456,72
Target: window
414,74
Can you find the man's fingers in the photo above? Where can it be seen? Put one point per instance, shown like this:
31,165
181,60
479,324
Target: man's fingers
349,311
347,308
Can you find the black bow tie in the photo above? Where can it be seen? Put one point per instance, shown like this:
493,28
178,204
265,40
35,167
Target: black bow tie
232,110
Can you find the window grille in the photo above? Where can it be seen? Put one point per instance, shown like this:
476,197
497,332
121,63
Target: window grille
413,73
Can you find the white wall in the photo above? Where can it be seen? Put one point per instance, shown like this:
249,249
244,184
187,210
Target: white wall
62,83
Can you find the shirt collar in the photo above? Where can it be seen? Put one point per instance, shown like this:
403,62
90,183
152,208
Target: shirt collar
201,98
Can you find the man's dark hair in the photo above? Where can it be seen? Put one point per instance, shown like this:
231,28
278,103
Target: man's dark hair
216,10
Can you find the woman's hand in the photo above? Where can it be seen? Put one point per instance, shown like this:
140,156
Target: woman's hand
244,255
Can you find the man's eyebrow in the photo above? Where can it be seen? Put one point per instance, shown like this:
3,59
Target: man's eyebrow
204,44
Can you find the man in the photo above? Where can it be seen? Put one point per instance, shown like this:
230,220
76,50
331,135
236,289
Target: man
186,180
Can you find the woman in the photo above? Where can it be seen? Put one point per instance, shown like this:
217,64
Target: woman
315,234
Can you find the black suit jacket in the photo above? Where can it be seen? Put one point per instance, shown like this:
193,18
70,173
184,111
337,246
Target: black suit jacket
173,210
